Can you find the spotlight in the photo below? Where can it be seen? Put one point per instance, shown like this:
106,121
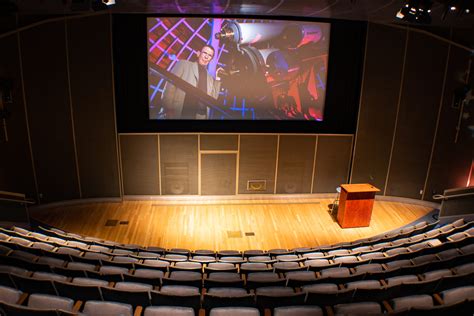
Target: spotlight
108,2
453,8
416,11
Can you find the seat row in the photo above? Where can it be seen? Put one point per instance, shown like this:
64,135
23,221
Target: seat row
141,295
24,238
415,229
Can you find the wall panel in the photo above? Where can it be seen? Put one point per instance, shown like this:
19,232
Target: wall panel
218,174
219,142
257,161
89,44
452,158
378,108
140,168
16,173
421,92
179,164
295,164
333,157
43,50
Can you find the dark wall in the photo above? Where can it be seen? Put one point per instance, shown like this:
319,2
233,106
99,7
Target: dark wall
405,143
62,69
45,74
92,96
407,130
16,171
379,99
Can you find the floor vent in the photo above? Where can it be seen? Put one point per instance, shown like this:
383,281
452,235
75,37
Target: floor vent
234,234
249,234
111,222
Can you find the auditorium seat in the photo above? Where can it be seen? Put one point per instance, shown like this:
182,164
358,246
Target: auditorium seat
40,275
248,267
225,297
220,266
223,279
177,295
261,259
19,310
456,295
9,295
264,279
33,285
82,289
276,296
234,311
135,294
414,301
99,308
359,308
300,278
330,298
298,311
148,276
168,311
50,302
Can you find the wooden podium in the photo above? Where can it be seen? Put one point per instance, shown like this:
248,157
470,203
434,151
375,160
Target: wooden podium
355,205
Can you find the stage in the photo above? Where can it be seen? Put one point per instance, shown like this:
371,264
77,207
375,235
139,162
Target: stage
222,224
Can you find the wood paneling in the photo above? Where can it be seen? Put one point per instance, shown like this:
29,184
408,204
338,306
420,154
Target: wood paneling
378,107
295,164
219,142
179,164
333,157
218,174
16,173
89,46
420,101
140,171
451,162
257,161
43,50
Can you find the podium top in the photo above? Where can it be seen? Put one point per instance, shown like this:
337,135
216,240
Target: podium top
359,187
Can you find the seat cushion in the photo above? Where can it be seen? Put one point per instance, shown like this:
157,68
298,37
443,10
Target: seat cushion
45,301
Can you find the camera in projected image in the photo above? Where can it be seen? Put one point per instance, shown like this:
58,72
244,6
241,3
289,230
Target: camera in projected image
273,60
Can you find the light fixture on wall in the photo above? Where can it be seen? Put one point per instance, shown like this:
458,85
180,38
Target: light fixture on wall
416,11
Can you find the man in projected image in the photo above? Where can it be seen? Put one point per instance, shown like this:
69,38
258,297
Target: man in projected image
178,104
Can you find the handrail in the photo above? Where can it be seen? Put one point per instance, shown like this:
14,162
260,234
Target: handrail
15,197
447,197
189,88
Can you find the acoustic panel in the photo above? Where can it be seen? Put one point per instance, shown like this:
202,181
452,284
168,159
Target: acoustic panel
16,173
140,168
257,163
333,157
378,107
452,156
43,52
420,101
179,164
90,65
218,174
219,142
295,164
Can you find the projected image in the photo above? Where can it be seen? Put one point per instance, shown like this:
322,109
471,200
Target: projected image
221,69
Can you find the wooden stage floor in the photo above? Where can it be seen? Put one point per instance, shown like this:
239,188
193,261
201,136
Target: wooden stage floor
224,224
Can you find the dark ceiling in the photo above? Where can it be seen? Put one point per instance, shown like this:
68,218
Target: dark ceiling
380,11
